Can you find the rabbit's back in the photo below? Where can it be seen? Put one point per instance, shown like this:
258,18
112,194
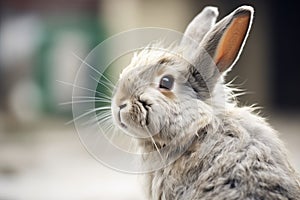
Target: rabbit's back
243,159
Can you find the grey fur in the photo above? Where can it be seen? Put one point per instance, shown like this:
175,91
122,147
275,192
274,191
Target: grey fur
228,152
199,26
242,159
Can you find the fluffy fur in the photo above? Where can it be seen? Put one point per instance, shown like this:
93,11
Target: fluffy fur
222,151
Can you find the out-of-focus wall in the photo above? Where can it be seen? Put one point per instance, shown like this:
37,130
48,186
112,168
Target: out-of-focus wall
123,15
40,43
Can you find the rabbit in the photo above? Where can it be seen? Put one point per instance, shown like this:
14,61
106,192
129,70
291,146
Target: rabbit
185,110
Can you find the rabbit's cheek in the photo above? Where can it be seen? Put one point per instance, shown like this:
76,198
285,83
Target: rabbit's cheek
157,119
153,123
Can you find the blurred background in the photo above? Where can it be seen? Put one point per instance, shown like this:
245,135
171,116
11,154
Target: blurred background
42,158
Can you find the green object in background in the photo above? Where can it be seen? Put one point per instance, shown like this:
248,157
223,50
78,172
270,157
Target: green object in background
62,37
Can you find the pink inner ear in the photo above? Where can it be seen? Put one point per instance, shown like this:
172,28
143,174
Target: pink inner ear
231,42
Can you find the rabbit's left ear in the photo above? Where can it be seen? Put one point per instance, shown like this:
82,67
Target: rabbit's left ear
225,41
198,27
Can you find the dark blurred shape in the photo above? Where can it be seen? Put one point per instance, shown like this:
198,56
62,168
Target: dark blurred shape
271,54
286,73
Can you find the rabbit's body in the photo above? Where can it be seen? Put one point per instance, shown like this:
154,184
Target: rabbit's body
178,103
240,160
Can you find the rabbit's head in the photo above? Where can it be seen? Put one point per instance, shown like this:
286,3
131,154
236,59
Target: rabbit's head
162,94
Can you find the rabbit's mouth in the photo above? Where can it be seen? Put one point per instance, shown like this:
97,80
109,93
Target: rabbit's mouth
146,107
133,117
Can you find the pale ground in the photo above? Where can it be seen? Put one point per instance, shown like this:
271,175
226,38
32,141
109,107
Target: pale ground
50,163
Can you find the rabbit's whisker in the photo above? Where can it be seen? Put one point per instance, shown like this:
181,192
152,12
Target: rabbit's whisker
90,97
79,87
107,128
112,78
103,118
83,101
91,67
103,95
156,147
106,119
99,117
108,86
88,112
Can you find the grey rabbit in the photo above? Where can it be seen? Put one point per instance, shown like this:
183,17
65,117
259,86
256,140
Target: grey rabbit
226,151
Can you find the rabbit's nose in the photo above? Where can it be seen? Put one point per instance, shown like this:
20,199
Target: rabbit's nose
122,106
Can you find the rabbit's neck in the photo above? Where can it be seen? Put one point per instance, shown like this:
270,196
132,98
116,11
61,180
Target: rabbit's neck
172,150
177,146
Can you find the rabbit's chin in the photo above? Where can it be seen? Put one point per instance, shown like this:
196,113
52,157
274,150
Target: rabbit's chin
135,130
129,127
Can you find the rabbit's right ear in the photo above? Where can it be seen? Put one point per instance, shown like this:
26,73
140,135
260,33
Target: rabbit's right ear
219,49
198,27
225,41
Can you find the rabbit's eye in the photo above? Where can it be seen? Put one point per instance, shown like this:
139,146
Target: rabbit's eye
166,82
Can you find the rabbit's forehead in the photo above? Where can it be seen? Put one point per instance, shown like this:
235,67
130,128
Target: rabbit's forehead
140,75
146,67
152,62
138,71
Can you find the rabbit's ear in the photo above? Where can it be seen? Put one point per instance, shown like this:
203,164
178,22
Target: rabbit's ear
199,26
225,41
